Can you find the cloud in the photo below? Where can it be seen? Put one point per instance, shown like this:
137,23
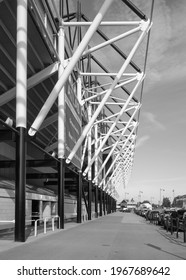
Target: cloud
140,142
150,118
167,57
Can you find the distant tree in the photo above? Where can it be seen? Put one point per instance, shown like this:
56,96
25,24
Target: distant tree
154,206
174,202
166,202
123,203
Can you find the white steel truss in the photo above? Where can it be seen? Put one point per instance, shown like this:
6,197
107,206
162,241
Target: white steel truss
110,132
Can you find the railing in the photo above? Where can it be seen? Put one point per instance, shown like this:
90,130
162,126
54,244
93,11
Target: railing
176,224
7,227
12,221
45,220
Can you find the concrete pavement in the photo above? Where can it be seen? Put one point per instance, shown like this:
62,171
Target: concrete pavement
117,236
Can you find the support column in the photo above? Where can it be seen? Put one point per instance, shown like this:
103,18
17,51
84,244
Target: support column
109,198
79,90
21,120
96,201
111,204
100,202
104,204
61,131
89,148
107,203
20,186
115,205
61,192
79,198
89,199
96,167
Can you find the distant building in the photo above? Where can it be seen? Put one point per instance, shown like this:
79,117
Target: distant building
179,201
131,205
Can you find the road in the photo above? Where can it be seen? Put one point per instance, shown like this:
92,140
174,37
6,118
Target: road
118,236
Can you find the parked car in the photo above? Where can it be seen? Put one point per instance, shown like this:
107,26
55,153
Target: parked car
181,216
165,214
155,216
181,213
147,215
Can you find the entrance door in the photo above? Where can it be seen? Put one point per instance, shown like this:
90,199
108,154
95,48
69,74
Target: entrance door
35,210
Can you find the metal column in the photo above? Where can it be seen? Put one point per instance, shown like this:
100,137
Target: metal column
96,166
79,197
89,199
89,135
61,127
104,204
90,171
96,200
20,186
61,192
100,201
21,120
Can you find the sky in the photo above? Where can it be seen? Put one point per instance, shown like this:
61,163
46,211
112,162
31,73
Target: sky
160,153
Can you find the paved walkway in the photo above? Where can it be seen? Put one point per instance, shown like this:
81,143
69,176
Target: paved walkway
118,236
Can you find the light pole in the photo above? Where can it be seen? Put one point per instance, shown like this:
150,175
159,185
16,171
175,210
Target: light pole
140,192
126,195
161,190
173,194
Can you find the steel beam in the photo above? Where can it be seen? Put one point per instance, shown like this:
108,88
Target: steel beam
135,9
117,38
50,120
31,82
42,176
103,23
30,163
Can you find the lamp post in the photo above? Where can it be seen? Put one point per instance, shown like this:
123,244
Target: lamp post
126,195
173,194
161,190
140,192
